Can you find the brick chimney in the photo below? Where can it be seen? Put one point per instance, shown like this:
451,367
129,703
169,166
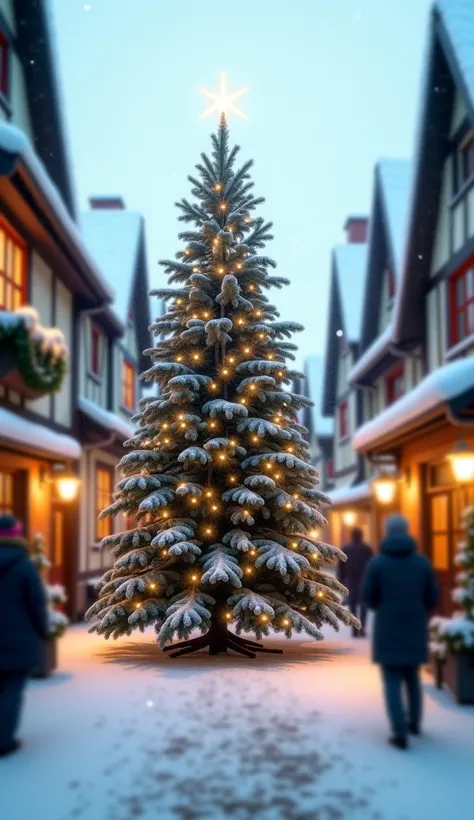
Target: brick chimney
106,203
356,228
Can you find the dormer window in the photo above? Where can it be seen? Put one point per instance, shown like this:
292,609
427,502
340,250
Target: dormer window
128,385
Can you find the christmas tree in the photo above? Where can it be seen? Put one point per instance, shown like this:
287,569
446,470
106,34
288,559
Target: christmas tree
224,501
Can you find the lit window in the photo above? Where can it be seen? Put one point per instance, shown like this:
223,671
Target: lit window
395,384
343,420
103,495
462,303
13,274
95,351
4,55
6,494
128,385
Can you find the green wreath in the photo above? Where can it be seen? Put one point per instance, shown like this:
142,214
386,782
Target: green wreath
40,370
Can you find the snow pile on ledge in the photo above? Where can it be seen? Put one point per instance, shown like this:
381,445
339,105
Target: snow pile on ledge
50,339
105,418
434,390
350,493
35,435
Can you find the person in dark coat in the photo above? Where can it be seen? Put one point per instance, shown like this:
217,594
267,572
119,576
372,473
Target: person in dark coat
23,627
400,585
351,573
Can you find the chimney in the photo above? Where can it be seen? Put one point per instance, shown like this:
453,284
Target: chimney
356,228
106,203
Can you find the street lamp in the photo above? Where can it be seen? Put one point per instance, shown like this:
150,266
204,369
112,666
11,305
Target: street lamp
384,487
66,483
349,517
462,462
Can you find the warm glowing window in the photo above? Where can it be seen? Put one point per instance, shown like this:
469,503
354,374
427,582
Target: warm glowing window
395,384
103,494
12,268
128,385
462,303
4,53
6,494
343,419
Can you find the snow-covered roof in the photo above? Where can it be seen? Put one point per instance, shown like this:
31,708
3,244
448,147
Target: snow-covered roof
15,142
113,237
439,387
395,181
32,434
314,376
350,261
371,356
458,19
350,493
105,418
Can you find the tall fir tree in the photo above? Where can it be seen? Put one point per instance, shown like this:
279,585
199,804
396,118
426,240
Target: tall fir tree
218,481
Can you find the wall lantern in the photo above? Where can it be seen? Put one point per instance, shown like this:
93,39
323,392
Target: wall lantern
349,517
462,462
66,482
384,487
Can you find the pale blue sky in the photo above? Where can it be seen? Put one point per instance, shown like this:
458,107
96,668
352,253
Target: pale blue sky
334,85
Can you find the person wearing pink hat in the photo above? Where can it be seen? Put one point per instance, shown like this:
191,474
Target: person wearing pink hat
24,626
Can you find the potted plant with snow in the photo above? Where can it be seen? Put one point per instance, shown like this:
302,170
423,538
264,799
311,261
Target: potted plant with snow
452,644
57,620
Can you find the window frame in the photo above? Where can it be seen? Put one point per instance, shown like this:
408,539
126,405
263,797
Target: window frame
103,526
391,379
96,341
343,419
128,367
455,309
7,277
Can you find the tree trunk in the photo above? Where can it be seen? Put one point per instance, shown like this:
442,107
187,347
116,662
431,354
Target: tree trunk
218,632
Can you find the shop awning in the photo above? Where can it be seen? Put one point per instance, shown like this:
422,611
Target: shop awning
350,494
104,418
448,391
35,437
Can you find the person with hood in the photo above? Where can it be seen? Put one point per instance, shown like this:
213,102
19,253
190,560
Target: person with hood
400,586
351,573
23,627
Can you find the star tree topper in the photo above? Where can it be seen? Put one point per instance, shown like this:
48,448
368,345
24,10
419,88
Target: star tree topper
223,100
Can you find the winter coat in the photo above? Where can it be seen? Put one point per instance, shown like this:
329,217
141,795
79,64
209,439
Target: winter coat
23,608
401,587
351,572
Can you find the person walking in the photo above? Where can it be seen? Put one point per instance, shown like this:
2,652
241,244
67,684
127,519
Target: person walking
400,586
23,627
351,573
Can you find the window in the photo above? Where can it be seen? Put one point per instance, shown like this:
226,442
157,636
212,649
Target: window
461,298
103,494
343,420
330,468
12,268
466,163
95,351
395,384
128,385
6,494
4,52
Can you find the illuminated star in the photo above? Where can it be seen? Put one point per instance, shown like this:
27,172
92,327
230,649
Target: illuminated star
223,100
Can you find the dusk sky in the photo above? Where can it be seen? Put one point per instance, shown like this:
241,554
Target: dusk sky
333,86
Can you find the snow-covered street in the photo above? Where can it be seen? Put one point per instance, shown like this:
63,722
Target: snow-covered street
122,731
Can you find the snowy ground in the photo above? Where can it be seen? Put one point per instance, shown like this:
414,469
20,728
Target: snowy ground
122,731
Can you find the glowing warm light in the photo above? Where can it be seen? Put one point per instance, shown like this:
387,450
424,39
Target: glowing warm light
233,442
246,350
246,513
187,251
243,401
232,359
225,371
165,425
314,533
194,577
194,501
223,206
349,517
137,606
288,506
232,479
195,269
209,494
255,439
179,301
218,186
214,508
179,358
221,269
228,616
462,462
239,266
277,476
384,489
252,552
285,622
213,425
320,594
152,586
222,457
290,449
261,335
264,618
253,387
248,570
294,543
223,101
67,486
196,357
240,322
213,386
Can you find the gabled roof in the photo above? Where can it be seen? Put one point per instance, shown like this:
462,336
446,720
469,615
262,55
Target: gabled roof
449,66
34,42
388,227
348,268
319,425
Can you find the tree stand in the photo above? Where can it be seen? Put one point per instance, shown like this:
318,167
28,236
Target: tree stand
219,639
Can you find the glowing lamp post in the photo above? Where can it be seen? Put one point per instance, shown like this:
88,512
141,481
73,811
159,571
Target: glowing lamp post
384,488
462,462
349,517
66,483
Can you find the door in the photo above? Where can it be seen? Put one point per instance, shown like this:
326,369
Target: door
56,556
441,546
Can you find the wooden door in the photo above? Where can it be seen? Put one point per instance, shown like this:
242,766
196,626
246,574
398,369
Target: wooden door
440,544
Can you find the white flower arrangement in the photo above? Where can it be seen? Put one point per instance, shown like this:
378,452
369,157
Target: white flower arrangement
57,623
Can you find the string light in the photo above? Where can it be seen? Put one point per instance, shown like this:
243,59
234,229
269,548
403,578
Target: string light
251,287
232,479
214,508
285,622
194,501
164,552
225,371
223,206
228,616
258,313
194,577
320,594
221,269
253,387
183,425
255,439
270,357
137,606
233,442
179,301
261,335
218,186
196,357
152,586
290,449
187,251
248,570
295,495
165,425
264,618
166,514
209,494
240,321
252,552
208,531
213,386
213,425
268,465
246,349
222,457
195,269
179,358
239,266
166,440
288,505
277,476
243,401
232,359
294,544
